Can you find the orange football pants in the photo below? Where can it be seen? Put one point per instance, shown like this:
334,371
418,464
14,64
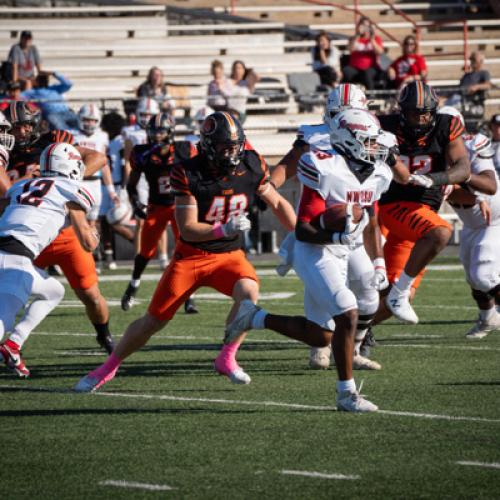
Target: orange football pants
403,223
158,217
191,269
77,265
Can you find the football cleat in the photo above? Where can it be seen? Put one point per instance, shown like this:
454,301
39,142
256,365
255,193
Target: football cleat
482,328
319,357
106,342
163,263
398,303
111,265
13,360
361,363
128,297
236,376
354,402
242,321
368,343
190,307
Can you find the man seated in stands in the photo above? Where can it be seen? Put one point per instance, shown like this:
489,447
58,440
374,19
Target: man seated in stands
25,58
477,81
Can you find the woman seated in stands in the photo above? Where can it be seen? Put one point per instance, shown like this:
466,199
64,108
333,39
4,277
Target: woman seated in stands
219,89
326,60
365,47
243,82
408,67
155,88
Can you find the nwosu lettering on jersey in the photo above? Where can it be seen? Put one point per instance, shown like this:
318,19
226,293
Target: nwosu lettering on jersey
424,156
220,197
156,163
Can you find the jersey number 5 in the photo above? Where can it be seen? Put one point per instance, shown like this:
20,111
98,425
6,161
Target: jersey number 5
34,191
221,209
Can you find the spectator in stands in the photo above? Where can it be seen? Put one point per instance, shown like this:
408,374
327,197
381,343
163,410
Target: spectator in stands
365,47
219,89
155,88
495,139
477,81
326,60
25,58
51,101
243,82
13,94
408,67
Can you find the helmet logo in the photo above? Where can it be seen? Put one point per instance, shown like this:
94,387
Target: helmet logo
73,156
209,126
343,123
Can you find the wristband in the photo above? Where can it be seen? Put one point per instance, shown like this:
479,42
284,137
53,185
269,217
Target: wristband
439,178
218,231
110,189
379,263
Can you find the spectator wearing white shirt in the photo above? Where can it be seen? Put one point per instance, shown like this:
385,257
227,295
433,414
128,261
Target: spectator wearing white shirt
326,60
25,60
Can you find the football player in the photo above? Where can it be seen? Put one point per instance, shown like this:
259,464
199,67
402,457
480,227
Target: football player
6,144
353,170
36,211
213,191
366,270
431,145
77,265
155,160
478,206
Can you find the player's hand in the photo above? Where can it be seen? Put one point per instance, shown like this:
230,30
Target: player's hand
115,199
235,224
485,211
353,230
421,180
140,210
380,280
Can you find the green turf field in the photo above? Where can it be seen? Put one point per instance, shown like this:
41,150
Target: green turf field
170,424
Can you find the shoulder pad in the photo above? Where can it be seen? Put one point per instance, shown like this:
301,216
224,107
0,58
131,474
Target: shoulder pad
314,168
315,135
479,145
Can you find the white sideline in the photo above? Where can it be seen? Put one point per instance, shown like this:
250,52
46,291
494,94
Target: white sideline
277,404
317,474
140,486
480,464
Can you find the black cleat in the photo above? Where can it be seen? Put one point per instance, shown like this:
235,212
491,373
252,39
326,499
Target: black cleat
190,307
368,343
128,297
106,342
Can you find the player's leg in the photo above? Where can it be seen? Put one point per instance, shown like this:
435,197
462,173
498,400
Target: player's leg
94,188
162,250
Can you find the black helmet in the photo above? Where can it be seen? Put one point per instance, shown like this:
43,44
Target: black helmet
21,112
420,98
162,123
221,128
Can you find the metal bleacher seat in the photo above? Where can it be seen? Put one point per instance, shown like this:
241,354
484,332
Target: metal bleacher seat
308,89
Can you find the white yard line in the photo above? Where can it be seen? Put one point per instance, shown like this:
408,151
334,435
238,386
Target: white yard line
480,464
453,347
320,475
140,486
276,404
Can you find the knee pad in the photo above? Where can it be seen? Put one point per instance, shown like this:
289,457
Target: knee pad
484,278
368,301
345,300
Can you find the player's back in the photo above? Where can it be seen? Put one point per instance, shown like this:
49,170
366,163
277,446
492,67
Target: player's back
135,134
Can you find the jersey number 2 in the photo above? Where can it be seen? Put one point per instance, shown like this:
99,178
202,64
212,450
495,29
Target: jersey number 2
219,211
34,191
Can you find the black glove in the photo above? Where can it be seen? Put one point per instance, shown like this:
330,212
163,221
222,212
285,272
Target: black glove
139,209
391,157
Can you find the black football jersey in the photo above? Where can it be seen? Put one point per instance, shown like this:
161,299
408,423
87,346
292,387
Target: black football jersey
156,163
220,197
24,161
423,156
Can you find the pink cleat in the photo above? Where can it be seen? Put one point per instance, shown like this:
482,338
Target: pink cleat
233,371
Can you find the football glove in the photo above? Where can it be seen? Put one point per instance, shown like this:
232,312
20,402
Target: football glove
379,280
235,224
421,180
353,230
139,209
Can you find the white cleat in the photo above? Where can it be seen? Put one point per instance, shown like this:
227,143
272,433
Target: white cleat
88,384
398,303
163,264
482,328
319,357
241,322
361,363
239,377
112,265
354,402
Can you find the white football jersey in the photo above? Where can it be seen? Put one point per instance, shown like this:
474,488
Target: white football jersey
315,135
4,158
37,210
135,134
98,141
328,173
116,160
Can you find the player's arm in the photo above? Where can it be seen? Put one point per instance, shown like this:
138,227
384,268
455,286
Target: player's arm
400,171
4,182
107,181
127,152
4,203
484,182
281,208
458,161
372,238
87,236
311,205
94,161
287,166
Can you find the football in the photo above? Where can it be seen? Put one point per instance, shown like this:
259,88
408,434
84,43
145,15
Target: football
334,217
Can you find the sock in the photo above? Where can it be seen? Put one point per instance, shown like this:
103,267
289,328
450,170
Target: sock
135,283
404,282
346,385
13,345
108,368
226,360
102,329
486,314
108,255
163,256
140,263
259,319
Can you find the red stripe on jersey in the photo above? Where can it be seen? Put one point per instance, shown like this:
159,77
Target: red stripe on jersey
85,191
311,205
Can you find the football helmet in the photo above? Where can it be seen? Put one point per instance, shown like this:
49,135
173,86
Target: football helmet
160,129
346,95
146,108
61,159
417,97
20,113
222,140
89,118
6,140
354,133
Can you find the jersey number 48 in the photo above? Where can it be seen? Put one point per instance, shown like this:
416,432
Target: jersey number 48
222,208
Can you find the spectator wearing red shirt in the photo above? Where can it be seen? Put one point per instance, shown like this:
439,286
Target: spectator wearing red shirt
365,47
408,67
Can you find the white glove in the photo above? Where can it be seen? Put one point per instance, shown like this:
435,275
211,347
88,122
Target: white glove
421,180
352,230
379,280
286,254
236,223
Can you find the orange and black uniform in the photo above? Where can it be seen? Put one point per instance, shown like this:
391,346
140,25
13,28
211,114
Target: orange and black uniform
408,212
77,264
217,263
156,163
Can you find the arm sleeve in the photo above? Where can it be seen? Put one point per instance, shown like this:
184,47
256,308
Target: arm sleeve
311,205
456,128
179,181
62,136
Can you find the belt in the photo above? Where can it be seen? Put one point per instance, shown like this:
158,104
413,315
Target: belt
458,205
9,244
92,178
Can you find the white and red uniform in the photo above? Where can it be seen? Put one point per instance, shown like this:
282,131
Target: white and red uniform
137,135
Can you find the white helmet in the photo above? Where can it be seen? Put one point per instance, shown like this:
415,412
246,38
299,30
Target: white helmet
61,158
6,140
345,96
146,108
354,133
450,110
89,118
119,213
